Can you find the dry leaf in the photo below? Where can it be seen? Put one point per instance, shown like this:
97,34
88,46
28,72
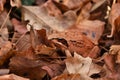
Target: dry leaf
54,69
97,5
5,52
42,49
12,77
71,77
4,71
114,14
52,9
115,50
85,13
26,68
2,2
76,41
20,27
99,10
23,42
40,2
73,4
83,66
39,18
92,29
15,3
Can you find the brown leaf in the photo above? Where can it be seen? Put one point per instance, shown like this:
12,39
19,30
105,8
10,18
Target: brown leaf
23,41
76,41
114,14
92,29
40,2
12,77
19,26
26,68
54,69
99,10
85,13
28,53
117,28
73,4
5,52
52,9
2,2
42,49
70,77
115,50
40,18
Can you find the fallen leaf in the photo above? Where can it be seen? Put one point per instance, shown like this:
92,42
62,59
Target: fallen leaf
97,5
85,13
117,28
15,3
114,14
77,42
39,18
54,69
92,29
42,49
115,50
23,41
2,2
20,27
100,10
5,52
73,4
83,66
4,71
71,77
40,2
26,68
12,77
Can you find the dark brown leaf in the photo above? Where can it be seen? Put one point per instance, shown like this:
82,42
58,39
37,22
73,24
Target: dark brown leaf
26,68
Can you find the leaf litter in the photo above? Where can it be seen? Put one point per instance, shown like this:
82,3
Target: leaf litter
59,40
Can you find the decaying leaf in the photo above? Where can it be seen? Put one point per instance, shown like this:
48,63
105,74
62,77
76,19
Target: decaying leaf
83,66
42,19
54,69
23,41
12,77
2,2
115,50
85,13
73,4
5,52
4,71
76,41
20,27
27,68
92,29
15,3
71,77
42,49
114,14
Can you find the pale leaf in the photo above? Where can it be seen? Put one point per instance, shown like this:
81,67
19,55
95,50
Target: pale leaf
78,64
39,18
12,77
